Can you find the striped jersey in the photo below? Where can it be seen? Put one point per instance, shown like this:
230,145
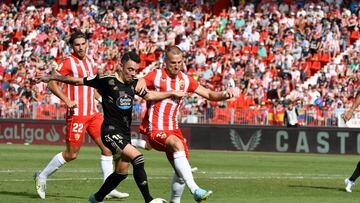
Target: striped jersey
82,95
162,114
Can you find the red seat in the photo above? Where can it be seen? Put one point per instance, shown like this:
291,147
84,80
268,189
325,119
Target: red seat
355,35
254,50
221,116
314,57
315,66
325,58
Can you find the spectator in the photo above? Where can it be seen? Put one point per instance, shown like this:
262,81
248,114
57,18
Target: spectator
291,115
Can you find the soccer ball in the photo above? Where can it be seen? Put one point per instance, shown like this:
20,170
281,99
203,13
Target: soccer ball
158,200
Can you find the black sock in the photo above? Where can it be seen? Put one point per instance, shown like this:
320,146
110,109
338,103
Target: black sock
141,177
356,173
110,183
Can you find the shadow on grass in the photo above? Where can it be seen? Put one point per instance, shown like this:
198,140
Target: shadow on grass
35,196
318,187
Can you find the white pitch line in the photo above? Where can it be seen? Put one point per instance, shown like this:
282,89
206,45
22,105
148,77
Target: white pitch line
211,178
211,173
63,171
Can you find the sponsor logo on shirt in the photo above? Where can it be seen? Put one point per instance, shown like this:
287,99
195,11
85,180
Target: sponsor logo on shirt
124,102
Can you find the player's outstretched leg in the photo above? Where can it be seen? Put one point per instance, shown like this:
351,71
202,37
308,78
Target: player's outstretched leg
348,185
350,182
40,186
92,199
183,168
140,177
109,185
106,163
40,177
201,194
177,188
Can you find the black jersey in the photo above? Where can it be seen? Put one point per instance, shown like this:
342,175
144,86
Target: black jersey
117,101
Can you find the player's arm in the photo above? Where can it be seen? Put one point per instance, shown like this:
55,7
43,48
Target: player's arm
97,96
348,114
217,96
57,91
143,92
61,78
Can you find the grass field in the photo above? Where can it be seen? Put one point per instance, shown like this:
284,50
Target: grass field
234,177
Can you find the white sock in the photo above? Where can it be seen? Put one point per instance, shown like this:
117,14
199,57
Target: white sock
138,143
183,168
56,162
106,163
177,188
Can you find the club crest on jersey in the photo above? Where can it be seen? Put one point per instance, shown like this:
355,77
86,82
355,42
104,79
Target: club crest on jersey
181,83
77,136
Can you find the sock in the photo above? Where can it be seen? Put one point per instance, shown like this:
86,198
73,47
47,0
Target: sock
138,143
106,163
109,185
141,177
177,188
183,168
56,162
356,173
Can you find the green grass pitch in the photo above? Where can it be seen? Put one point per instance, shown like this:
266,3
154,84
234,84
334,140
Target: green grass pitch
234,177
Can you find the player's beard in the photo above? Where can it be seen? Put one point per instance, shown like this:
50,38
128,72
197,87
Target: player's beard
81,54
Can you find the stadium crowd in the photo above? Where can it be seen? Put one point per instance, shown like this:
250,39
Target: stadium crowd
269,49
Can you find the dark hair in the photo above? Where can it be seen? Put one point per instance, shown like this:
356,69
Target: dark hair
130,56
75,35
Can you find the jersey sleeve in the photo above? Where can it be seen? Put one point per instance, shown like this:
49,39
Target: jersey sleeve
93,81
65,67
193,84
149,80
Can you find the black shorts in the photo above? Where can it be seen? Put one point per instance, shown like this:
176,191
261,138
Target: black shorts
115,140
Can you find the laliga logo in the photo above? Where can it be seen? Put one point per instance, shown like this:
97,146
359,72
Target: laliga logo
27,134
239,144
53,135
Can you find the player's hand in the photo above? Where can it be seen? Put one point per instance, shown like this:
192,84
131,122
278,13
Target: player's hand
179,94
347,116
232,92
71,104
41,76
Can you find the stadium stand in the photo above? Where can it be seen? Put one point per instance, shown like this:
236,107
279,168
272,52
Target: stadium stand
306,52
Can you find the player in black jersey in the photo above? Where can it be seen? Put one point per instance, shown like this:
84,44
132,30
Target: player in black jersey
118,91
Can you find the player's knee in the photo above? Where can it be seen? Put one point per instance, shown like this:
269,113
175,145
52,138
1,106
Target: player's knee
106,152
148,146
174,144
70,156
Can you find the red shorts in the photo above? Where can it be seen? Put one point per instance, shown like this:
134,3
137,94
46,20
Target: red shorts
157,141
76,126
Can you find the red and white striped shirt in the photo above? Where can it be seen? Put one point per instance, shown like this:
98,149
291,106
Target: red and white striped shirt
82,95
162,114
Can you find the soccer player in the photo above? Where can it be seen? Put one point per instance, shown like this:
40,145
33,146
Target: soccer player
161,122
350,182
82,115
118,91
